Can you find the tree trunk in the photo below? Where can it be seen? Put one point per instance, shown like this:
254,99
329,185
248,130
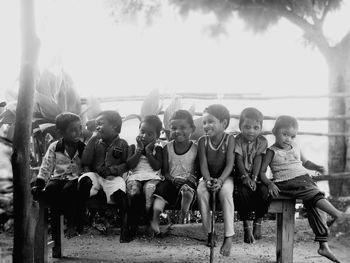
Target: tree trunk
338,150
22,202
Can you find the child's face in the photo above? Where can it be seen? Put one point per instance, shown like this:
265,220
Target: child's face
250,129
73,132
105,129
180,130
147,133
212,125
285,137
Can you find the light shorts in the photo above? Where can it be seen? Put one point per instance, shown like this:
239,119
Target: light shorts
108,186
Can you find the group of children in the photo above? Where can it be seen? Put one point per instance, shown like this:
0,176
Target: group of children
182,172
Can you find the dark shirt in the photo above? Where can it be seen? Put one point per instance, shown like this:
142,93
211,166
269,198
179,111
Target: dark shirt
97,154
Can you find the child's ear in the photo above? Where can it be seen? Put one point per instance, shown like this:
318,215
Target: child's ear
274,131
225,123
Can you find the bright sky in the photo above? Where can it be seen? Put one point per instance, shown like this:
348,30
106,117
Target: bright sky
109,59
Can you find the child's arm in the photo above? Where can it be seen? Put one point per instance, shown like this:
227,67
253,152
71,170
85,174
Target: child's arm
230,162
133,156
165,166
118,169
310,165
246,179
48,164
88,155
273,189
203,163
154,160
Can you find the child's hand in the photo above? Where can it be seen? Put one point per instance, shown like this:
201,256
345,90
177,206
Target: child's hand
273,189
249,182
104,171
149,147
178,181
139,143
217,185
321,169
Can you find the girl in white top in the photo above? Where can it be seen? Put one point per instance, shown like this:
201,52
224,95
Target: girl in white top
179,168
144,162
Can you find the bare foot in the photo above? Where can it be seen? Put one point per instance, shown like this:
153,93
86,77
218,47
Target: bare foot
325,251
155,227
225,249
257,229
248,236
343,218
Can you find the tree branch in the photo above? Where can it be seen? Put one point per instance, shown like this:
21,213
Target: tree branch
325,13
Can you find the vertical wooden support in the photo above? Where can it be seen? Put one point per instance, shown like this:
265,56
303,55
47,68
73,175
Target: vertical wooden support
40,245
22,200
285,232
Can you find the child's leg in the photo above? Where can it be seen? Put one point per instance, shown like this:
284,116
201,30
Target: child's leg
203,203
69,196
186,200
317,220
262,201
88,185
226,201
115,190
158,208
244,200
148,189
133,189
326,206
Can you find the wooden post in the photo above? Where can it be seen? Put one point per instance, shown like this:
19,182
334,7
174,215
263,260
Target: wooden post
22,201
285,232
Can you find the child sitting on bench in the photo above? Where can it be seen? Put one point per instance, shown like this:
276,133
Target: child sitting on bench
60,169
145,163
291,178
250,194
104,163
179,169
217,159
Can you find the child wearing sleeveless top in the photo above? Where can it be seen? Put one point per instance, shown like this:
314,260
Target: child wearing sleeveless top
179,168
216,157
144,162
291,178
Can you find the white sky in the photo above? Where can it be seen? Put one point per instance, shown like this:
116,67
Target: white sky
109,59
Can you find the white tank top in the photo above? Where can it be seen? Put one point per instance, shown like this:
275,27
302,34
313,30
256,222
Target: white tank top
182,165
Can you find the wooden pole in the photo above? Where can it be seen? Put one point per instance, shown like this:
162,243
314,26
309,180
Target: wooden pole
22,202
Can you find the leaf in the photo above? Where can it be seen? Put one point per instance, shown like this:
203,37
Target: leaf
93,108
174,105
199,131
150,105
55,94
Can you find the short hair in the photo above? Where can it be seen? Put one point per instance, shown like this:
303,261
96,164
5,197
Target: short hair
154,121
220,112
251,113
285,122
183,115
64,119
113,117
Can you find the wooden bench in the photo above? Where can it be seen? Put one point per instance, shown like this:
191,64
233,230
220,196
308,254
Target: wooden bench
284,207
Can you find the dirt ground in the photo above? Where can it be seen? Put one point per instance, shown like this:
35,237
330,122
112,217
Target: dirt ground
185,243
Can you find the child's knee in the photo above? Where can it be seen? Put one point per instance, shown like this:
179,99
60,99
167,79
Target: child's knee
133,189
84,185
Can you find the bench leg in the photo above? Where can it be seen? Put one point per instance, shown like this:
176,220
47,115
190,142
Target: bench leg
285,233
57,234
40,243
